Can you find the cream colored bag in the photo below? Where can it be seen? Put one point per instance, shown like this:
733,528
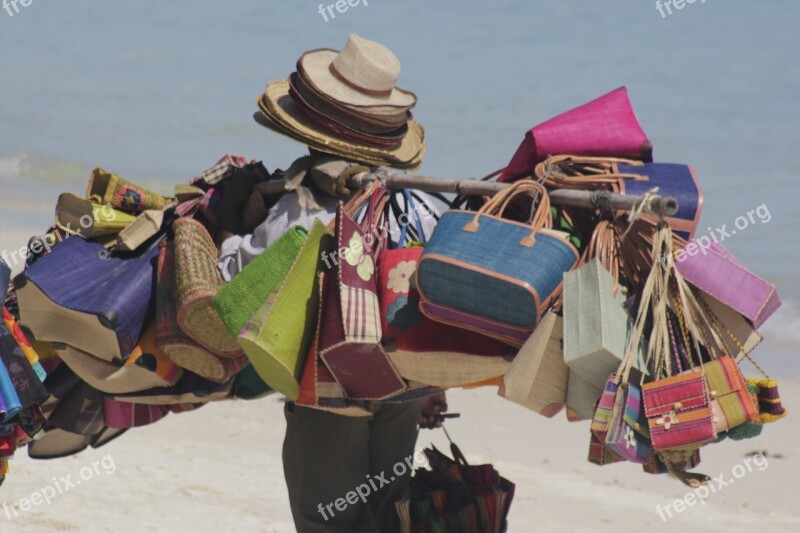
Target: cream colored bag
537,378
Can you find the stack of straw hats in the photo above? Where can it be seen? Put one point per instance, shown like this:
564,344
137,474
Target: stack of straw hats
347,104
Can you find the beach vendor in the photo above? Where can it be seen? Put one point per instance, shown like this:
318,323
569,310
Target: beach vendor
345,107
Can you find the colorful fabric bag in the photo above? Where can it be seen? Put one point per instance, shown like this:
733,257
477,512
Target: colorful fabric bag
109,189
599,454
238,301
537,378
350,323
277,338
718,273
604,409
678,410
124,415
319,390
5,277
769,400
731,402
628,434
499,275
606,126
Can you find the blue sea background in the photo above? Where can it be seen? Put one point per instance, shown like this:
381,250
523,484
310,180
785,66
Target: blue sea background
157,91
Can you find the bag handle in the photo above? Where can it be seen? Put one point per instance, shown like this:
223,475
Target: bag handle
542,216
652,305
565,171
605,246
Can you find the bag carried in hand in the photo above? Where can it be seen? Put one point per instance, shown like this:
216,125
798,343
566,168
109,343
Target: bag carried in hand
491,275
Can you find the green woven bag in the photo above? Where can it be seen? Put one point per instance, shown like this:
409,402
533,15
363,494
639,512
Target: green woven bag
596,326
240,299
277,338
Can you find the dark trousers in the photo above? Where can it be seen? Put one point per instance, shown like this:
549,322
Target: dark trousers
330,459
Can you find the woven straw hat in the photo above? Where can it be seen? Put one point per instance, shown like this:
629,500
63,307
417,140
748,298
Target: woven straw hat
279,113
364,73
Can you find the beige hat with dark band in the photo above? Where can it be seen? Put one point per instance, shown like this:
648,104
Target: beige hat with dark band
364,73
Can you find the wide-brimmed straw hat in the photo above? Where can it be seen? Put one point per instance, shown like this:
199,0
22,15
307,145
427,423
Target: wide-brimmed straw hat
364,73
280,113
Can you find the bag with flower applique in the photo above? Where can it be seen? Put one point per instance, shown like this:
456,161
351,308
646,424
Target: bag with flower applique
421,349
350,326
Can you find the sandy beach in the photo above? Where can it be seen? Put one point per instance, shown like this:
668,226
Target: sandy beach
219,468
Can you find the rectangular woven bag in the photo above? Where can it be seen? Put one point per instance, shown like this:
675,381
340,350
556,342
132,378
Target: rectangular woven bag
496,270
679,411
717,272
672,179
731,402
596,326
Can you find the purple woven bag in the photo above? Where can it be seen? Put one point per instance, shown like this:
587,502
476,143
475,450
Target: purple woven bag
714,270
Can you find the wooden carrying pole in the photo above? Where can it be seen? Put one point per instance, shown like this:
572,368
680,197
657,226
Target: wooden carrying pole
655,205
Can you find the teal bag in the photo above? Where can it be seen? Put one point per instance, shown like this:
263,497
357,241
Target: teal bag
238,301
596,326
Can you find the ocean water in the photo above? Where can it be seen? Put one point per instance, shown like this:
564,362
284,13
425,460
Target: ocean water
157,91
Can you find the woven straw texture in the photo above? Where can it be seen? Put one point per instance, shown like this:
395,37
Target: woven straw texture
238,301
282,115
276,340
537,378
471,271
596,326
197,281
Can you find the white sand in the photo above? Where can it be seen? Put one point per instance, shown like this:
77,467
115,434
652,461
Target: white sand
219,468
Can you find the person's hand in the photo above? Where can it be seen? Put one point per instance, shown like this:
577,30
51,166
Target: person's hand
432,407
